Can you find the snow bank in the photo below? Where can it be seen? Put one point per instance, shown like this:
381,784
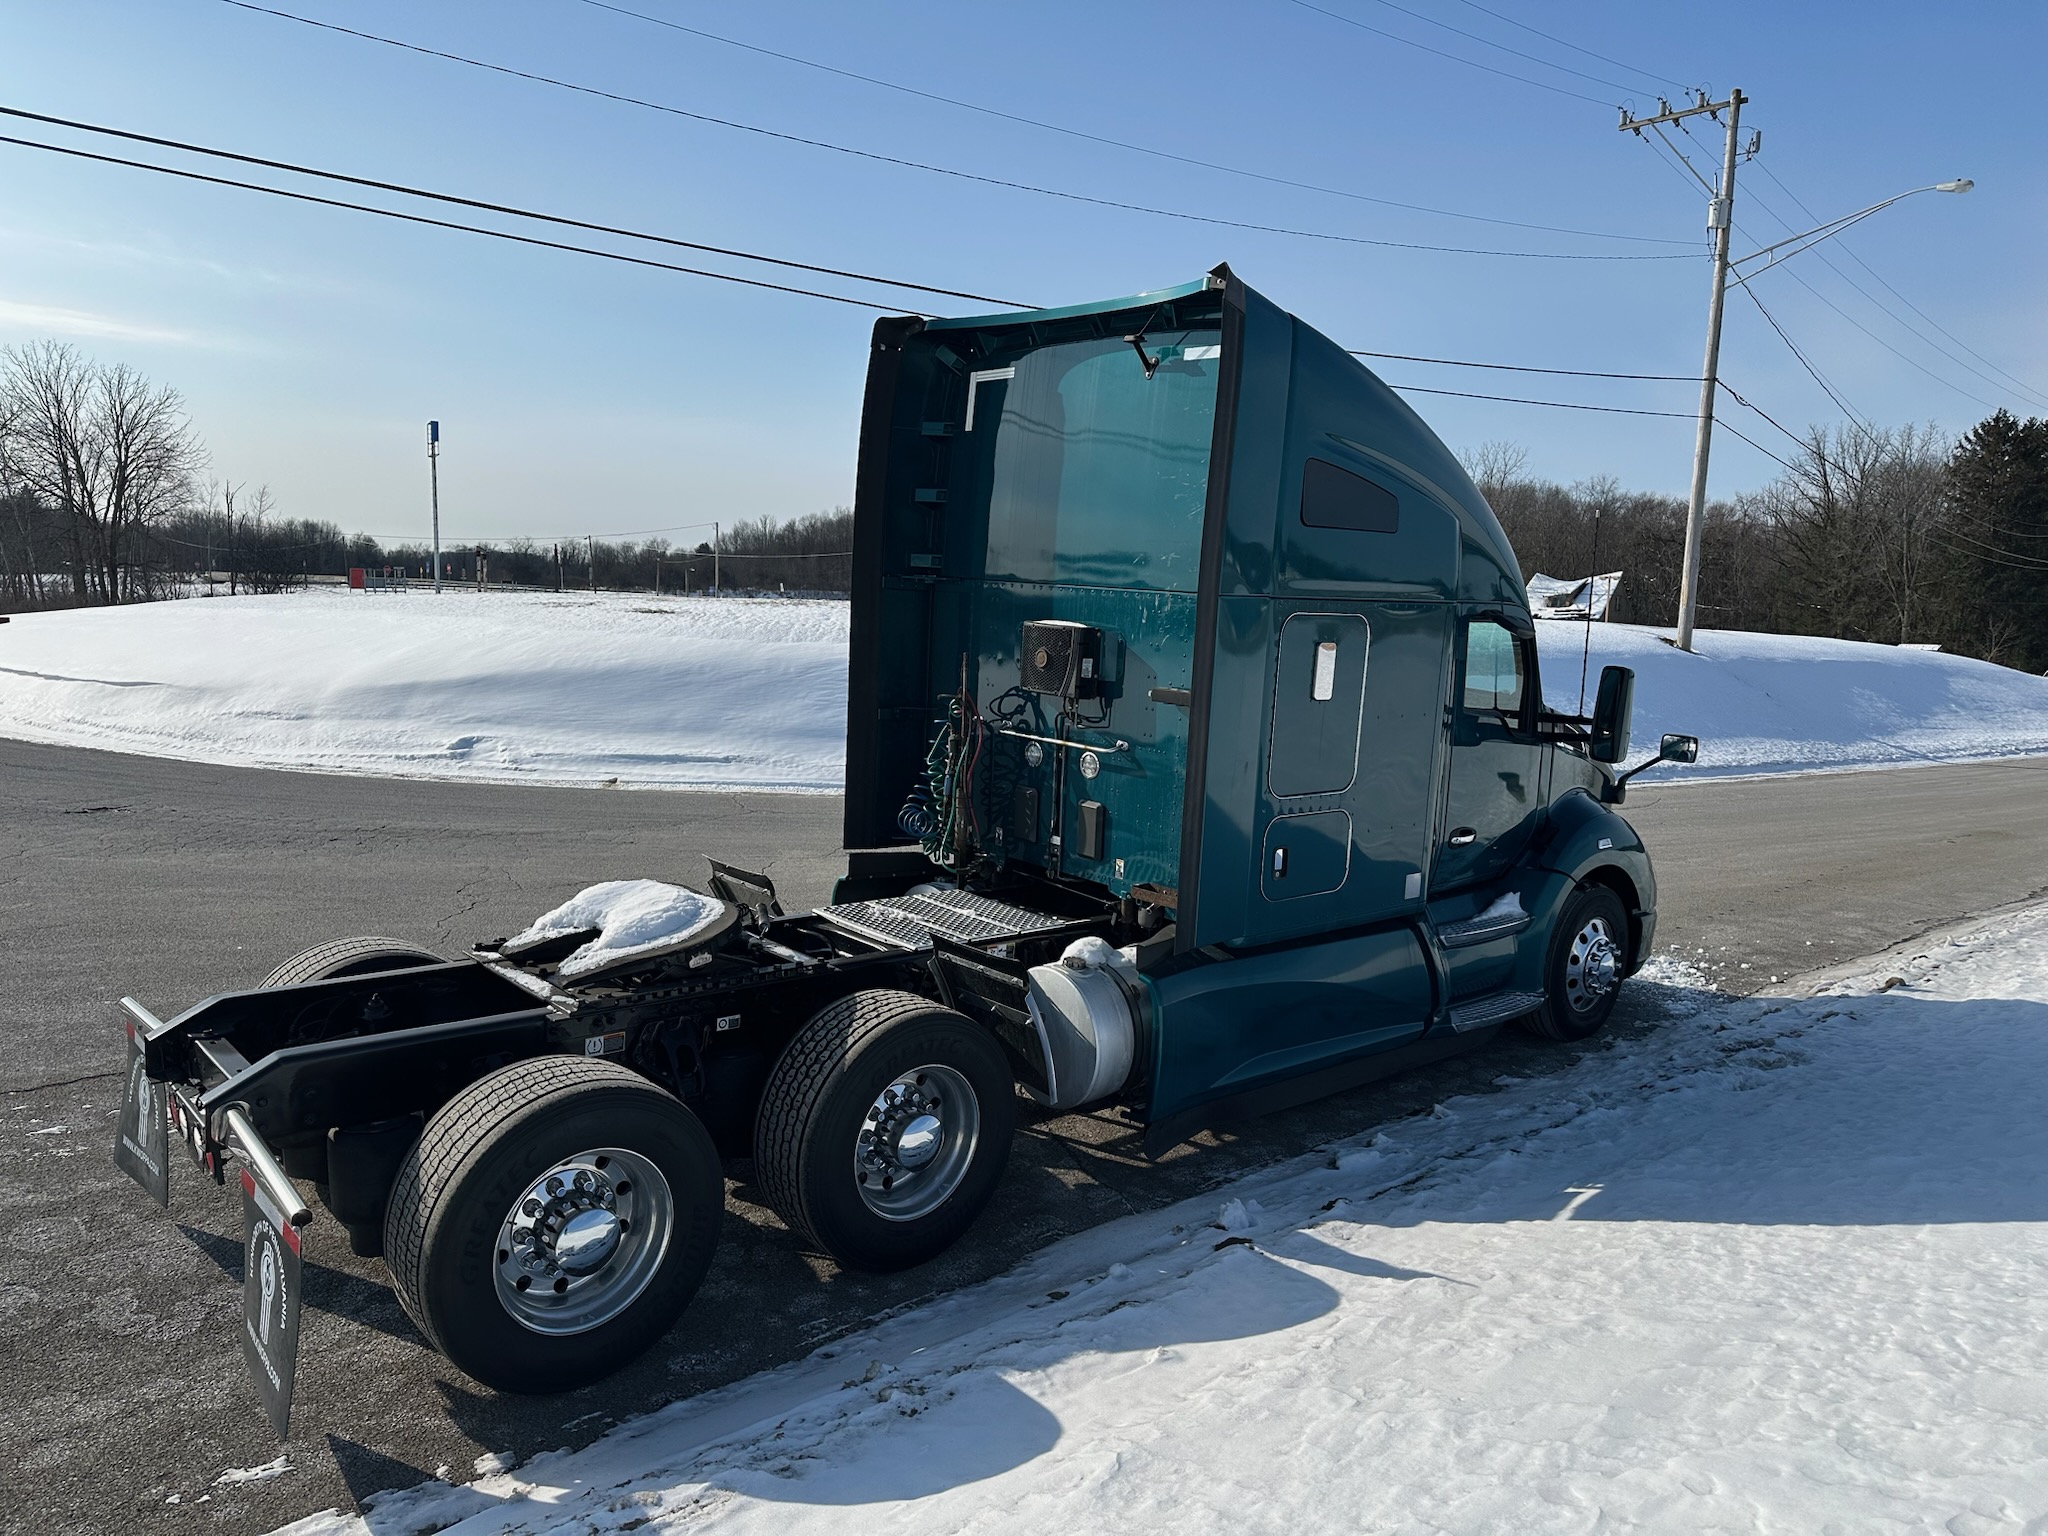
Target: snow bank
507,687
1787,703
1779,1265
640,692
633,917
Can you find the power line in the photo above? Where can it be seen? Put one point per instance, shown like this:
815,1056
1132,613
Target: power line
249,543
1816,446
1847,409
474,229
1487,42
1409,42
1575,48
1858,325
1895,352
775,554
1730,427
1575,373
691,271
2031,560
942,170
1561,405
1767,416
1114,143
2021,564
523,213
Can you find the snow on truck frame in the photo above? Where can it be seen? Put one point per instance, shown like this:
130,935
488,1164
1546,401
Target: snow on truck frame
1196,765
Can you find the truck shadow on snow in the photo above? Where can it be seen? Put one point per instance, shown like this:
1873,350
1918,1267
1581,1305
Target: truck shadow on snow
1882,1110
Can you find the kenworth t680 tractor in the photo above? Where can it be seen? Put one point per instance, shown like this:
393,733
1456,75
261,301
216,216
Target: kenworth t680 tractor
1197,764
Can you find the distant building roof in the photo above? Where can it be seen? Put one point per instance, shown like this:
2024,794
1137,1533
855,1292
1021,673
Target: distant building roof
1558,597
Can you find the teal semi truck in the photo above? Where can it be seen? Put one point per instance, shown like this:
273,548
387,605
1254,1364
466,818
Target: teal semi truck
1197,764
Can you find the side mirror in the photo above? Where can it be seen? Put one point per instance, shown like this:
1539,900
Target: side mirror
1611,711
1673,749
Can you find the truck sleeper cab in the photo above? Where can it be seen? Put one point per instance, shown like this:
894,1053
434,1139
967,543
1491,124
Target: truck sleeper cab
1197,764
1311,753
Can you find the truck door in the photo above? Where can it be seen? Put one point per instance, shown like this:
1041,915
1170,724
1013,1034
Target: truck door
1494,799
1351,766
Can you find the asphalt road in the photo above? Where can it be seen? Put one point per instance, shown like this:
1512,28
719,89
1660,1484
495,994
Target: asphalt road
122,1376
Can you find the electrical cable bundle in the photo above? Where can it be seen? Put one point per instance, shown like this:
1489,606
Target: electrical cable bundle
950,790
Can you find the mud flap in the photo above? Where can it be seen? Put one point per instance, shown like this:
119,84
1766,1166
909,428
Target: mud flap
270,1301
142,1145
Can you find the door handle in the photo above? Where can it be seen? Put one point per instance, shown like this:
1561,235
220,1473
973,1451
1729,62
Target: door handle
1463,837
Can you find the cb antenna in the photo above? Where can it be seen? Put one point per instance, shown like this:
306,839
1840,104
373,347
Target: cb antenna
1592,587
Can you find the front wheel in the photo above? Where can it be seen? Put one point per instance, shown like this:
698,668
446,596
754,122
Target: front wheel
884,1129
553,1220
1582,973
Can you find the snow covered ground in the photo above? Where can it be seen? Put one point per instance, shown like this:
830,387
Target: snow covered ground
1787,703
1778,1265
552,688
540,688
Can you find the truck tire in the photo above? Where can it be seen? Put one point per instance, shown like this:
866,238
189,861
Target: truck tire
553,1220
884,1128
350,957
1582,973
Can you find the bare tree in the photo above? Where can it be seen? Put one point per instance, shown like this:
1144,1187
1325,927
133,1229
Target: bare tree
1495,464
1857,510
147,457
111,452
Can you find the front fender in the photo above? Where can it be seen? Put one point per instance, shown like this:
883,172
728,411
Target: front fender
1585,841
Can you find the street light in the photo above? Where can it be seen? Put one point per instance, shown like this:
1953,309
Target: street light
1834,227
434,476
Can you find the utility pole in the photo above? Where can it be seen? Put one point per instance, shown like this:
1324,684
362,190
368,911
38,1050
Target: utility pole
715,584
590,560
434,476
1721,220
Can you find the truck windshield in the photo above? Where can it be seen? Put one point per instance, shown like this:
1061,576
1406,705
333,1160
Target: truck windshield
1087,471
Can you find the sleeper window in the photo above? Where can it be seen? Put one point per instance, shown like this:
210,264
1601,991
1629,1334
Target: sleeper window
1336,498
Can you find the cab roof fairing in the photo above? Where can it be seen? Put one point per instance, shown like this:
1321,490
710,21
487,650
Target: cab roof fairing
1400,437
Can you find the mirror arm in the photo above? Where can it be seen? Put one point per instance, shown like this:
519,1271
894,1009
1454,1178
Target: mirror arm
1618,790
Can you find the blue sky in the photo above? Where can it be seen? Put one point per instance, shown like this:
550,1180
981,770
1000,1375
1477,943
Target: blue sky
582,396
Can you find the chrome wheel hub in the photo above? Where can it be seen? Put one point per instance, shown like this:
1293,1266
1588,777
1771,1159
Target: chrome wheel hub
583,1241
1592,967
916,1143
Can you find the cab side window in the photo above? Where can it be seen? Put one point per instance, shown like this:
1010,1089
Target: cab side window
1495,678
